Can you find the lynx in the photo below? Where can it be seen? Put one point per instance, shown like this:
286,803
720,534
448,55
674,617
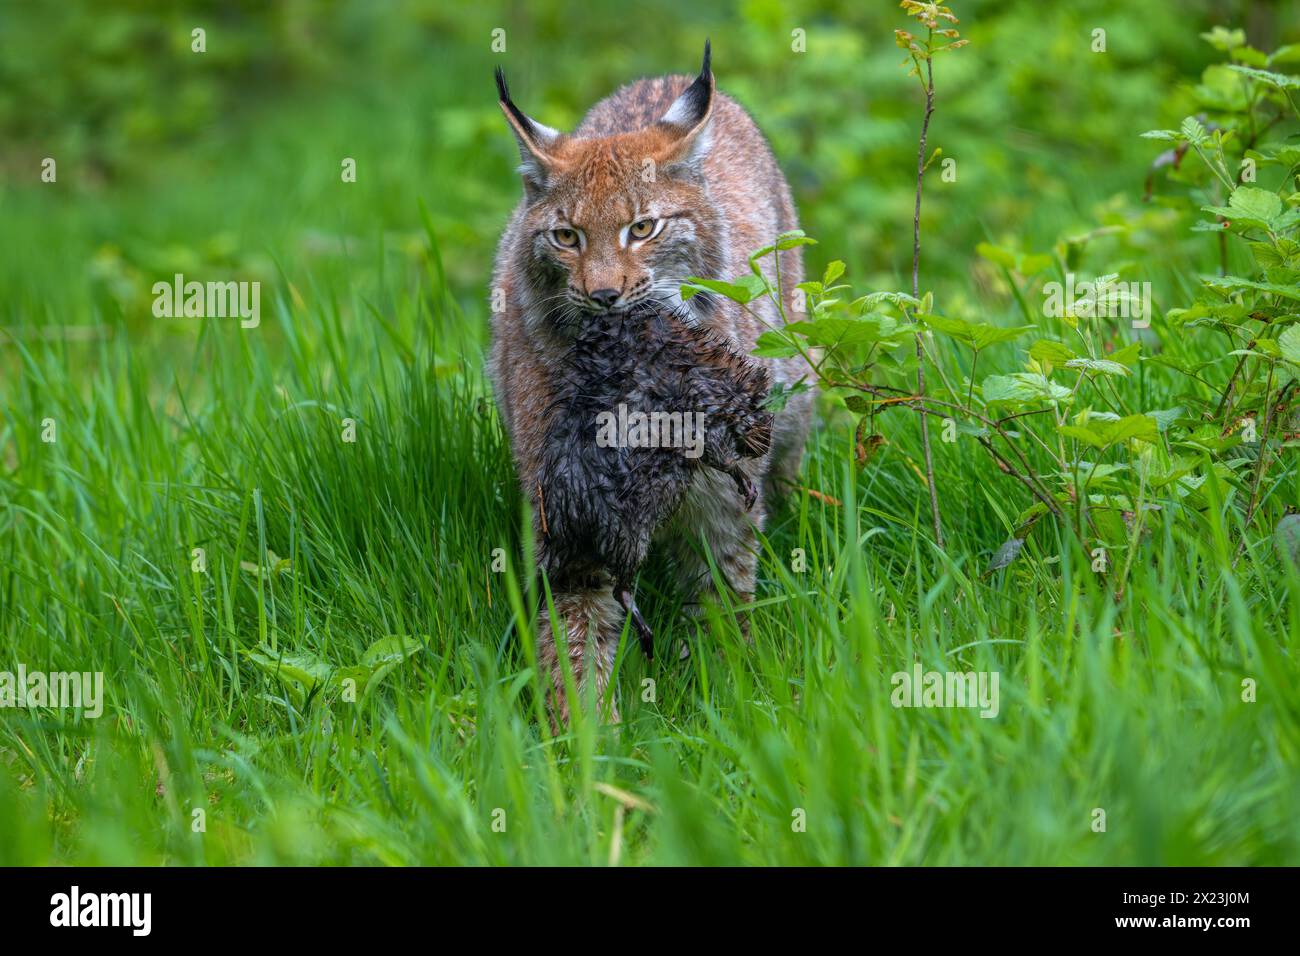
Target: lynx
663,180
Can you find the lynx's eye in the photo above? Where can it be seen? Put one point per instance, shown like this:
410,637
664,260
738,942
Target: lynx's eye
642,229
565,237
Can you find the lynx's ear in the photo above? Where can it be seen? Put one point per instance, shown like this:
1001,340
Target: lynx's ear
535,140
687,120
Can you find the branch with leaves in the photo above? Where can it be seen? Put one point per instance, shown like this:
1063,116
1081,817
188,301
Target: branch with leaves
1068,424
922,55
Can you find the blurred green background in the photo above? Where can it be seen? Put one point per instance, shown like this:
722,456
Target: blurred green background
228,162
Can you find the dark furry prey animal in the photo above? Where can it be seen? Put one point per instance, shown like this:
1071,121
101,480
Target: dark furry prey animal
644,399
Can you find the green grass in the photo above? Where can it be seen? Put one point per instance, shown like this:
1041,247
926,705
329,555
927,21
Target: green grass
1134,707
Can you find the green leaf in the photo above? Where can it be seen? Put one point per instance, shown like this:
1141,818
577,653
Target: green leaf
1089,475
1051,352
1084,434
381,657
1250,56
834,331
977,335
1165,417
1220,89
786,240
774,344
1033,512
1022,387
1193,131
1033,263
833,271
1289,343
1237,284
1267,347
1009,551
1104,366
1142,427
301,666
745,289
392,649
1102,433
780,394
1285,54
1255,203
1128,355
1277,80
900,300
997,254
1276,154
1224,39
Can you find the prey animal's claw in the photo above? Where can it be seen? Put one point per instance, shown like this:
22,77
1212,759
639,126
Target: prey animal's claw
643,631
746,487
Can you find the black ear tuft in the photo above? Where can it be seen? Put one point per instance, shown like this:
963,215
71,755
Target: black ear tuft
527,128
691,108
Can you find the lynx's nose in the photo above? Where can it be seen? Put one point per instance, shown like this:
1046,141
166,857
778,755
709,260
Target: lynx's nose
604,297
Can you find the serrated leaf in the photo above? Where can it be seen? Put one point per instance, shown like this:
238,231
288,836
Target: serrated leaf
1102,433
900,300
1022,387
1237,284
836,331
1288,343
1142,427
1276,80
1051,352
1193,131
977,335
1255,203
1165,417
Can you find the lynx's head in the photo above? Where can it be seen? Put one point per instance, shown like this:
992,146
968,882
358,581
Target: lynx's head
617,213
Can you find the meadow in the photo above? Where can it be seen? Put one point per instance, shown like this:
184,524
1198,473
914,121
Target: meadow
298,554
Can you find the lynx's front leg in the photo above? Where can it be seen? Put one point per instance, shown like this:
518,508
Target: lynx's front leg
714,515
592,620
